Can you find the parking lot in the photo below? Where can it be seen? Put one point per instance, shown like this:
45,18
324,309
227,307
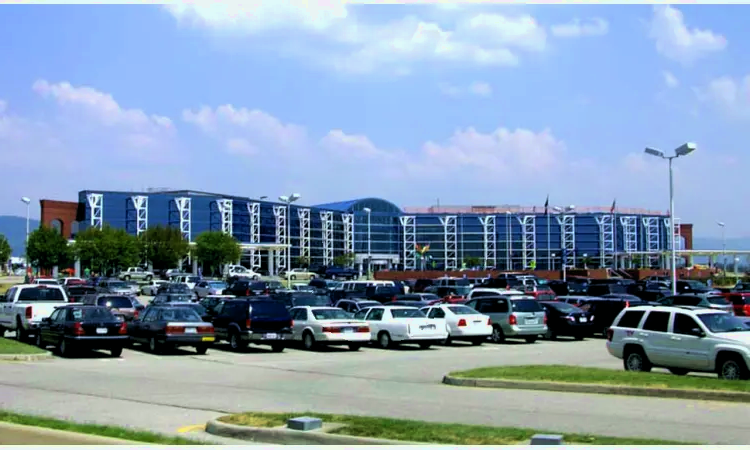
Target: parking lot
172,393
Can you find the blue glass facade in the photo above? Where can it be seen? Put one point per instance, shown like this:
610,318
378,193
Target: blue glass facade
515,243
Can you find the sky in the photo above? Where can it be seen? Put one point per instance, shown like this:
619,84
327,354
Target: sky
461,104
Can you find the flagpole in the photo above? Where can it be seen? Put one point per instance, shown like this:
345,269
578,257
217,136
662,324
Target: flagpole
549,255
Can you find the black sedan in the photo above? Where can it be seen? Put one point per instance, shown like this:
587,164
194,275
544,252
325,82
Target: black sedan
72,328
564,319
163,327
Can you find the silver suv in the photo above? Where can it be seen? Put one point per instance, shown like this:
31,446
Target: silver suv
513,316
681,339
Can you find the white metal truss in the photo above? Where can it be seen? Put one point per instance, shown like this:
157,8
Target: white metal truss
490,240
326,220
348,220
606,240
184,210
676,237
304,233
528,240
227,216
279,213
630,236
253,210
140,204
96,204
409,223
568,239
450,242
651,224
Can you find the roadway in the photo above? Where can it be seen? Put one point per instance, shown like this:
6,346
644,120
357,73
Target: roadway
172,393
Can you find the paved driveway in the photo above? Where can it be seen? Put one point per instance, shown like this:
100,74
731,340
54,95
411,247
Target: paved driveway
168,393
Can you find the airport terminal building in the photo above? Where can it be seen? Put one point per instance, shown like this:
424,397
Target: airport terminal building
504,237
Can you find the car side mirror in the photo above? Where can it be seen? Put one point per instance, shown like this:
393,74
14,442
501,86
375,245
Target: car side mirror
46,320
697,332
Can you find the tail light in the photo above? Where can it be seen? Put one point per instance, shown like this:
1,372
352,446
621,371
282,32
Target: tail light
570,318
248,322
205,329
28,312
247,292
393,299
175,330
78,329
123,328
136,314
627,304
545,319
267,291
331,330
462,323
489,321
363,329
291,323
610,334
512,320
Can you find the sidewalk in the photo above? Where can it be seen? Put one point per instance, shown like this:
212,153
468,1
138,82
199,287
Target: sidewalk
12,434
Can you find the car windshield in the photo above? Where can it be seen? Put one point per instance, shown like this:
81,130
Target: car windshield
178,288
333,284
717,300
117,284
179,315
695,284
47,282
367,304
723,323
93,314
462,310
41,294
193,279
180,298
542,282
115,302
195,307
406,313
217,284
331,314
526,306
311,300
565,308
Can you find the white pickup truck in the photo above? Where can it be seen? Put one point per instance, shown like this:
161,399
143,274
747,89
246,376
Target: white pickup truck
136,273
24,306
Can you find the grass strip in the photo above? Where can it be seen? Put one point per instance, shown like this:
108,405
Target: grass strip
93,429
429,432
592,375
11,347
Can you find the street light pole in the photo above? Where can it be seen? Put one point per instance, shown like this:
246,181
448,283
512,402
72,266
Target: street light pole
723,247
27,201
369,242
683,150
288,200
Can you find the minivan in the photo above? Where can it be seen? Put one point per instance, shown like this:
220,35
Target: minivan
513,316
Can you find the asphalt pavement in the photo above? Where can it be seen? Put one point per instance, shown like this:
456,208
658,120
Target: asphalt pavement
176,394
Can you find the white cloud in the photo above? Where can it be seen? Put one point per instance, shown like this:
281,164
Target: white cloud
676,41
579,28
478,89
670,80
730,96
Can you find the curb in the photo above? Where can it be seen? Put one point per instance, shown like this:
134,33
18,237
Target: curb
32,435
284,436
582,388
27,358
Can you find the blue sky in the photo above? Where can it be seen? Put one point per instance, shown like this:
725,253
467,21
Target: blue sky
466,104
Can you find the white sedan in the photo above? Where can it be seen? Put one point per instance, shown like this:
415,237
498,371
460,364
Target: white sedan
323,325
152,287
464,323
391,325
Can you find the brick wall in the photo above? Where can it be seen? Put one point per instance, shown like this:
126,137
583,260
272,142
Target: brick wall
65,212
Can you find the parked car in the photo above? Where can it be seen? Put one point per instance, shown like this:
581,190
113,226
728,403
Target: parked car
114,287
165,298
72,281
174,288
152,287
694,287
604,310
420,297
298,274
25,305
394,325
346,273
47,281
136,273
740,303
574,299
76,293
126,307
354,305
292,299
708,301
303,288
410,303
165,327
210,302
205,288
513,316
197,307
190,280
382,293
464,323
72,328
681,339
316,326
260,321
564,319
237,271
246,287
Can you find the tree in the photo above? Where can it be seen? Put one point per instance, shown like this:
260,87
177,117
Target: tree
47,248
106,249
303,261
344,260
214,249
164,247
5,251
472,261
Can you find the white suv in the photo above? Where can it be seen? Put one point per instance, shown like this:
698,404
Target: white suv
682,339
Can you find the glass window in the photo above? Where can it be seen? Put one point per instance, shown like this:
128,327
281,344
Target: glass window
150,315
717,300
41,293
657,321
301,314
462,310
360,315
376,314
684,324
723,323
493,306
331,314
179,315
630,319
526,306
115,302
408,313
55,315
436,313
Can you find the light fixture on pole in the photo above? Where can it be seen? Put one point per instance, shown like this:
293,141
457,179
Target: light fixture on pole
723,246
288,200
369,241
27,200
683,150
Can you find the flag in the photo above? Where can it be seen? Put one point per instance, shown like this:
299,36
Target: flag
546,205
614,205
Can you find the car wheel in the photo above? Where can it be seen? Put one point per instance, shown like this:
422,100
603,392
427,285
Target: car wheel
447,341
497,335
201,349
153,346
39,342
384,339
636,361
256,277
116,352
148,277
21,334
235,342
354,347
308,341
425,345
550,335
127,278
578,337
531,339
64,349
292,277
678,371
277,348
732,368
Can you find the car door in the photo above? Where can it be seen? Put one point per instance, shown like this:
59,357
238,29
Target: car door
221,320
57,328
45,330
375,319
299,322
657,340
691,351
7,307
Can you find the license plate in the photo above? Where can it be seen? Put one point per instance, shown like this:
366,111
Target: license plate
348,330
208,339
190,331
427,327
584,319
270,336
532,321
101,331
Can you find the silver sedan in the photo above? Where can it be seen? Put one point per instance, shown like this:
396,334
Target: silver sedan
206,287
